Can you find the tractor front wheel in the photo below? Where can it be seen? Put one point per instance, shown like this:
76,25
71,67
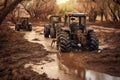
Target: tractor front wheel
93,42
64,42
46,31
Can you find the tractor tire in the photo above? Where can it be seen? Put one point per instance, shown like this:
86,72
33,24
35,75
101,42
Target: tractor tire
29,27
92,42
52,33
64,42
46,31
17,27
58,31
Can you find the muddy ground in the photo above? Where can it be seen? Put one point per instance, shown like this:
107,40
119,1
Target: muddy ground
107,59
15,52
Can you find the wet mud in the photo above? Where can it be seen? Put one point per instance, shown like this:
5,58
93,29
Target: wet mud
82,65
39,61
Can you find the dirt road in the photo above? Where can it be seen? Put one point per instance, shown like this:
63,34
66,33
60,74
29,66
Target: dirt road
28,60
69,66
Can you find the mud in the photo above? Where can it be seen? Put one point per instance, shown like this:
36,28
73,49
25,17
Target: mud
90,61
15,52
31,61
37,33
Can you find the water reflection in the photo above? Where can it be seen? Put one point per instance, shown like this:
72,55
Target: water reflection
68,64
63,67
92,75
50,66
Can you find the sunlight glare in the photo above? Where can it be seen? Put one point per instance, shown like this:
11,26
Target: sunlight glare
61,1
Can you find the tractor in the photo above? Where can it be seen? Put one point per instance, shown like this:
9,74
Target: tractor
75,35
50,29
23,24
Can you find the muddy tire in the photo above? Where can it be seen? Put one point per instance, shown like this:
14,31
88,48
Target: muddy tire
93,42
58,31
46,31
29,27
64,42
17,27
52,33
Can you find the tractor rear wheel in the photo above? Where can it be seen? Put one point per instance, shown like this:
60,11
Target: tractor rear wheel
93,42
64,42
46,31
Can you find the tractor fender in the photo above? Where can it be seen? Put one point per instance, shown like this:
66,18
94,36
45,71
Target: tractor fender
89,31
65,30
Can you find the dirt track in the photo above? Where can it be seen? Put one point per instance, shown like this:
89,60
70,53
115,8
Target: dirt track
105,58
17,58
15,52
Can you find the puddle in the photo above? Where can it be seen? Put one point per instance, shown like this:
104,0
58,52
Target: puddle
92,75
54,68
51,68
46,42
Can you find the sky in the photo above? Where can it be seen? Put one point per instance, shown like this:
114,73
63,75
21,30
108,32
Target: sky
61,1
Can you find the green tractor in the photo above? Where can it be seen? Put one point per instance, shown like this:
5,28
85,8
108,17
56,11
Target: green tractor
23,24
50,29
75,35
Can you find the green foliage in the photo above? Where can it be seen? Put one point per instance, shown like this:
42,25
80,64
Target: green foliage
65,7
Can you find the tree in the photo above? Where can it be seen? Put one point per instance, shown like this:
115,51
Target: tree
7,8
110,9
114,10
66,7
39,9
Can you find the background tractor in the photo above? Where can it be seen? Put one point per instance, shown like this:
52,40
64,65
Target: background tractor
23,24
50,29
74,34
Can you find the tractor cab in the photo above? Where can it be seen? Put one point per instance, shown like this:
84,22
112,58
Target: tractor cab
55,19
24,24
75,20
74,34
50,29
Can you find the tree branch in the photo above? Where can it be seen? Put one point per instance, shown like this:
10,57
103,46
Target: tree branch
8,9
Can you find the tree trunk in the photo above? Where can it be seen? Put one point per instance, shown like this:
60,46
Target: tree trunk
119,13
106,16
101,13
8,9
94,16
113,13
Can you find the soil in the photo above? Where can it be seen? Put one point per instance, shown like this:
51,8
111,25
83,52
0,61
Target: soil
108,24
108,60
15,52
14,55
